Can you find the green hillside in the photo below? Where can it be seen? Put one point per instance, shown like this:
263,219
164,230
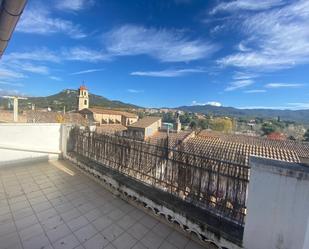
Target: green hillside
68,98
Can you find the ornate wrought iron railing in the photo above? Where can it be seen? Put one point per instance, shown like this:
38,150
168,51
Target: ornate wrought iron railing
209,183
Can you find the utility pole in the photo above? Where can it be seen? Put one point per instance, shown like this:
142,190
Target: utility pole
15,105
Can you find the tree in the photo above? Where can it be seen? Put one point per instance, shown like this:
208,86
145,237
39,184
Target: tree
193,125
168,117
268,128
306,136
203,124
222,124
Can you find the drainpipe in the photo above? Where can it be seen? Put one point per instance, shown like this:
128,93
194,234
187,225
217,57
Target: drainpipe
10,11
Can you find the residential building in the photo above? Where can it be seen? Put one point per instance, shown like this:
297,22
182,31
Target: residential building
102,116
145,127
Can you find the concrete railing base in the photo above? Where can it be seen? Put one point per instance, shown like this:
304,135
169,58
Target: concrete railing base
177,220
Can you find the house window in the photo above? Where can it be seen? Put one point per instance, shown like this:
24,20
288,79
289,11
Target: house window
85,102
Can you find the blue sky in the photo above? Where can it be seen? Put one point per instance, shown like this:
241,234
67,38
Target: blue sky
154,53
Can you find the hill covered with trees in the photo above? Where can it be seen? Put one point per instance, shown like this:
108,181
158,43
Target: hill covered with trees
301,116
68,98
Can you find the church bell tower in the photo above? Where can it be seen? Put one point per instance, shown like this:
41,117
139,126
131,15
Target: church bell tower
83,98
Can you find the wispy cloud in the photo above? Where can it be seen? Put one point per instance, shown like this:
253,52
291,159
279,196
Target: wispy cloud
162,44
55,78
283,85
251,5
35,69
6,83
239,84
38,20
276,38
38,54
84,54
244,75
212,103
255,91
299,105
7,92
135,91
243,48
88,71
168,73
74,5
9,74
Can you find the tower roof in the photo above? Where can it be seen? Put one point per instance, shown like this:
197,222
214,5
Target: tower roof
83,87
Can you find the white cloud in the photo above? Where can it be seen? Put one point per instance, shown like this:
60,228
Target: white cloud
10,92
164,45
34,68
239,84
212,103
8,74
55,78
74,5
39,21
39,54
168,73
278,38
283,85
88,71
69,54
252,5
255,91
243,48
11,84
135,91
244,76
84,54
299,105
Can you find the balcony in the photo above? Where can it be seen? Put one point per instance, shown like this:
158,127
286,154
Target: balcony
65,187
54,205
50,203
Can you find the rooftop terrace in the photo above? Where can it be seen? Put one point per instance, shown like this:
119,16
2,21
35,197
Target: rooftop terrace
54,205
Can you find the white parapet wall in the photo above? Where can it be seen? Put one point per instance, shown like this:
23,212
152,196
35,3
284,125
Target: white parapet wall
278,205
27,141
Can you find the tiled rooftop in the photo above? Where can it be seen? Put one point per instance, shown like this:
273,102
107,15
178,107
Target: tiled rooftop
111,112
110,128
174,137
53,205
238,148
145,122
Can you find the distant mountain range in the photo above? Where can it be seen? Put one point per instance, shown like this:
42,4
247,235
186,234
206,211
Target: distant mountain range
301,116
68,98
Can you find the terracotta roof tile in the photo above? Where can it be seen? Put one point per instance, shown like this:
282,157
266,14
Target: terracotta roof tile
110,128
145,122
238,148
55,117
174,138
112,112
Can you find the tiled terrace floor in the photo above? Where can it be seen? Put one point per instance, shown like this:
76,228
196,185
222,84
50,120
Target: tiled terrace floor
53,205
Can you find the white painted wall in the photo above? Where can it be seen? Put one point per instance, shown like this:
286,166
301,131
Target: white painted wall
24,141
278,206
306,242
